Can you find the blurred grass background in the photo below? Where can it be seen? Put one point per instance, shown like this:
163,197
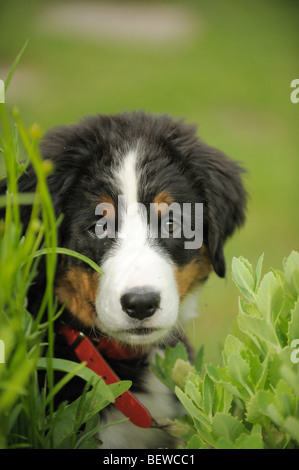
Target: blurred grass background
226,66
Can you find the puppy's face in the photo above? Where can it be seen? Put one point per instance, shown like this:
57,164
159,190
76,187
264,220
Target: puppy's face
139,244
124,185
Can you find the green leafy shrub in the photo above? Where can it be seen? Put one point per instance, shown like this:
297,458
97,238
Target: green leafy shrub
252,399
27,414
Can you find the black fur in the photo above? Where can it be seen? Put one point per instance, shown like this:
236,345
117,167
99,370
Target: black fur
172,158
82,156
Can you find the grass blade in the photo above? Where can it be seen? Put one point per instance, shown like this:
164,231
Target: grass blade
66,251
14,65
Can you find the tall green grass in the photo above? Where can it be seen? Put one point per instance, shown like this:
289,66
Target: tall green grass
27,414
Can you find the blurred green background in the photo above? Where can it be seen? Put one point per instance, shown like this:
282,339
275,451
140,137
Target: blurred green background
225,65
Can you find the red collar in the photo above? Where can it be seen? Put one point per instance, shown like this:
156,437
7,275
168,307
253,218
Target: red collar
87,352
113,350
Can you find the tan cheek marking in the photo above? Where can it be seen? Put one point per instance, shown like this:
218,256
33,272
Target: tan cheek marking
189,277
79,288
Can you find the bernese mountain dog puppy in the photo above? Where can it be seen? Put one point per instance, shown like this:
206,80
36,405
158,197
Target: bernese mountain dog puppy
111,174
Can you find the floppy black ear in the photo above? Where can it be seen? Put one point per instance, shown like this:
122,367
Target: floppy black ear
226,202
217,180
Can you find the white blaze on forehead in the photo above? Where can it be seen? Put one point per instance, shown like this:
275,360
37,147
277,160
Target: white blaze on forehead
135,262
133,225
134,244
127,175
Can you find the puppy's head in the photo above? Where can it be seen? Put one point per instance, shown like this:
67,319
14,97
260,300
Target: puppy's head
136,191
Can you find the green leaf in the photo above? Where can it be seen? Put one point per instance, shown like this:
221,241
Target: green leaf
161,371
269,297
239,370
293,330
242,276
291,425
261,376
222,400
163,366
196,443
232,346
259,328
193,393
199,360
265,398
182,428
221,377
254,411
254,440
291,266
89,440
195,412
75,371
275,405
109,391
266,402
178,352
208,395
65,251
65,422
63,425
181,371
227,427
290,377
258,272
223,443
285,399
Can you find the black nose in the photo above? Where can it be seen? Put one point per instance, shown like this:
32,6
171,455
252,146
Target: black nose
140,303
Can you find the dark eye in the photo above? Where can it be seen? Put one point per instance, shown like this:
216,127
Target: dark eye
98,230
169,227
